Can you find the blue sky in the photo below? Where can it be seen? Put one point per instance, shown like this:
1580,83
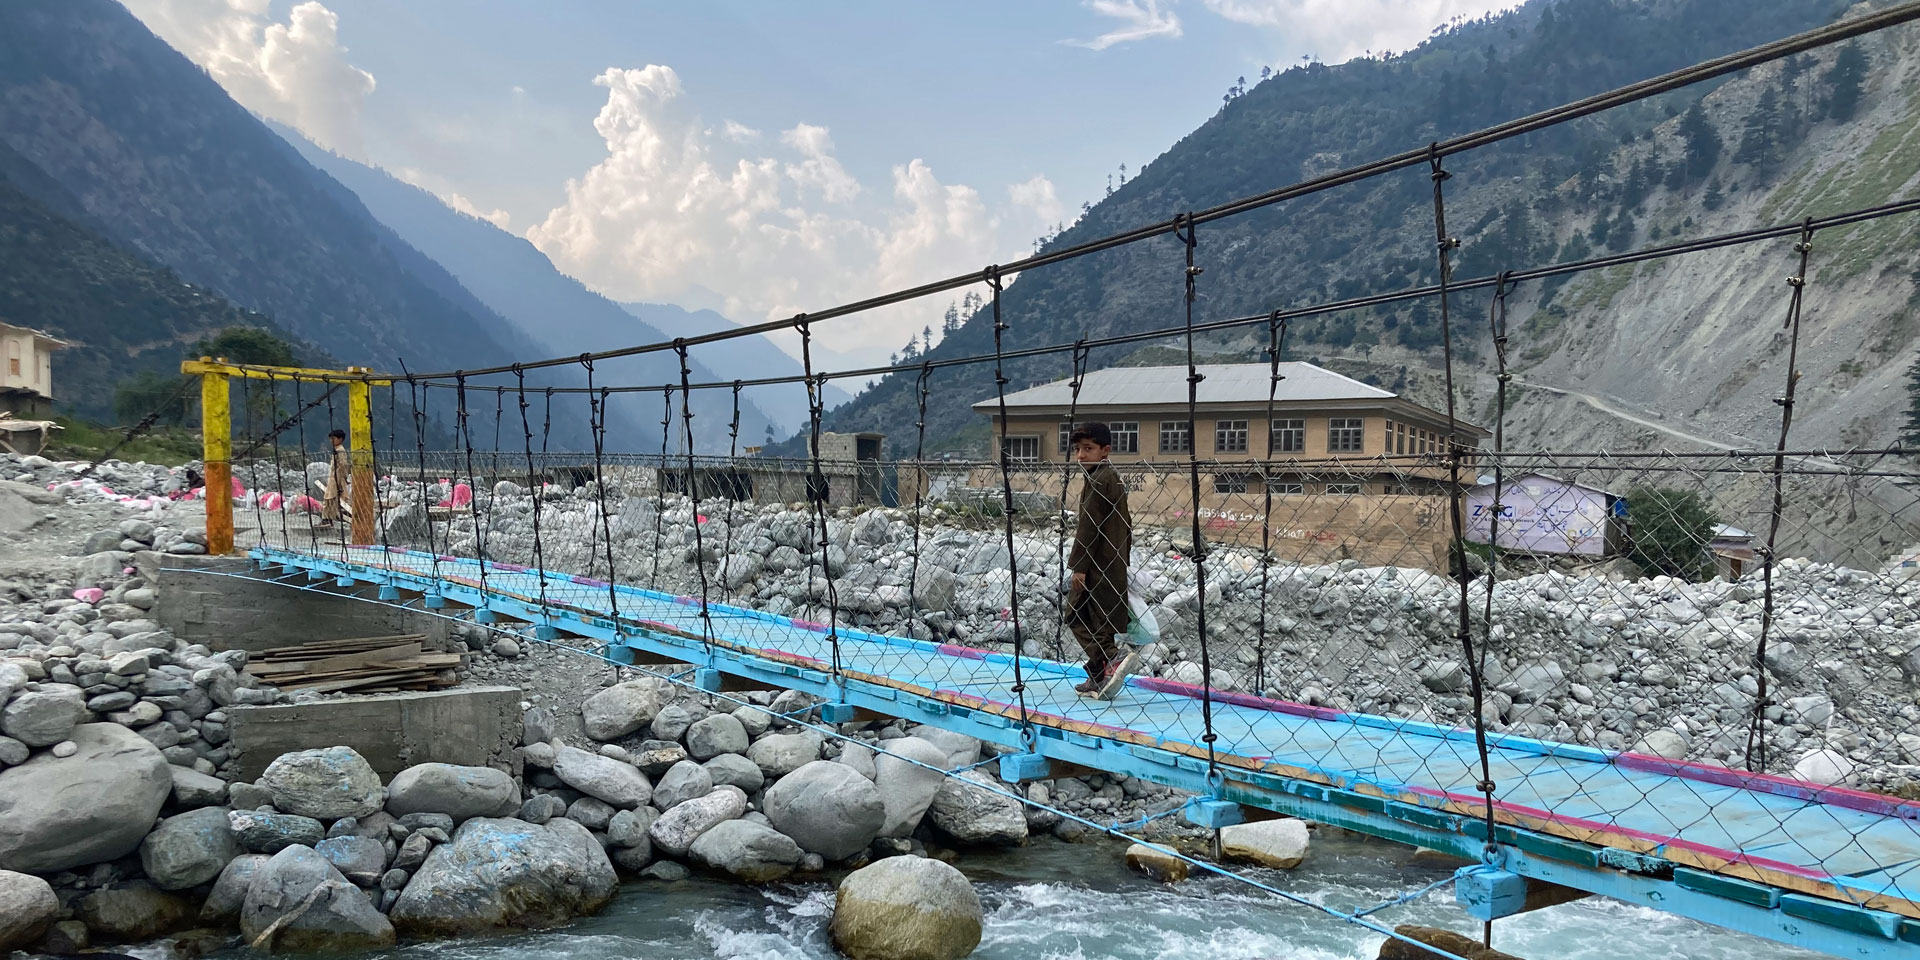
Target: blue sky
764,158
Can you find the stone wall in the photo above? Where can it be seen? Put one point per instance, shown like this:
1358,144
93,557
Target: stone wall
476,727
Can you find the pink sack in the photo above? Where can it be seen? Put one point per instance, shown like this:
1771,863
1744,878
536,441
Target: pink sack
89,594
270,501
462,495
239,489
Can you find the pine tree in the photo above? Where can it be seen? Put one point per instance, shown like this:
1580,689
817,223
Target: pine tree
1760,145
1845,82
1713,200
1702,144
951,321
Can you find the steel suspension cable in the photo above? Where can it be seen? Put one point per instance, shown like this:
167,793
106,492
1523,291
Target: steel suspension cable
1756,732
732,489
1000,328
464,428
536,490
1276,341
922,481
1190,240
1497,322
1066,461
693,497
597,424
1444,246
660,484
414,399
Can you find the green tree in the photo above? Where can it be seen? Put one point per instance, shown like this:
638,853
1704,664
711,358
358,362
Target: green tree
246,345
1760,145
1671,530
148,392
1702,145
1845,81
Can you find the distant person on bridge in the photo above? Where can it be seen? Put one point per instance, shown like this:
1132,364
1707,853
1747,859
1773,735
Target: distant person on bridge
1102,540
338,470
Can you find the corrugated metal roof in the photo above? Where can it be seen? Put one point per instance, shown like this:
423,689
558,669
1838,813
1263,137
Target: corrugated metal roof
1224,383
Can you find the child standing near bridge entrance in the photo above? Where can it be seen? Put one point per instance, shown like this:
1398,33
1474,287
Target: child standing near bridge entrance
1102,540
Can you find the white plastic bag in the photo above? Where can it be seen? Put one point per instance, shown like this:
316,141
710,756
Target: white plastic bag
1142,628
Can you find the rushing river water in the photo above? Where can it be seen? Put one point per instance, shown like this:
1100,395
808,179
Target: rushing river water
1056,901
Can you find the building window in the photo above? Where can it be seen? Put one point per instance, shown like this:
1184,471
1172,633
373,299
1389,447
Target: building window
1066,437
1343,489
1234,482
13,357
1400,443
1176,436
1022,449
1344,435
1229,436
1289,436
1126,436
1286,488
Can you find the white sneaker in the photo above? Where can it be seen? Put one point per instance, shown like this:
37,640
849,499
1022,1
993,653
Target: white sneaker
1117,675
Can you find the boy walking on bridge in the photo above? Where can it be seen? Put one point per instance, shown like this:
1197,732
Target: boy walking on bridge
1102,540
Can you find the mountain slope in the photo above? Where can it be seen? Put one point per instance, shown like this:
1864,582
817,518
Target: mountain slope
156,153
514,279
1513,205
746,358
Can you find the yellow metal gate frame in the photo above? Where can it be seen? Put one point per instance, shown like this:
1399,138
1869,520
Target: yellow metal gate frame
216,432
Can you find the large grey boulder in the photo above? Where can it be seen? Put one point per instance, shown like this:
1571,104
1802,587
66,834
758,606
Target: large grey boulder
57,813
360,859
906,908
298,903
44,717
959,748
737,770
782,753
718,734
624,707
973,815
683,781
27,908
749,851
677,829
229,893
130,912
189,850
1280,844
498,872
191,788
827,808
614,781
326,783
459,792
907,789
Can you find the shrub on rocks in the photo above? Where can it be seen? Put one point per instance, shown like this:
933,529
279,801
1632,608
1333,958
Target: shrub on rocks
1281,844
129,912
189,850
459,792
27,908
748,851
827,808
975,816
624,707
57,813
906,908
498,872
326,783
299,903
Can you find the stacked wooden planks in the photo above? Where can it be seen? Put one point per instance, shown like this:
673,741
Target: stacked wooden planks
359,665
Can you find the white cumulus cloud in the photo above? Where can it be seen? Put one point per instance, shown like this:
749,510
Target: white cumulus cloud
1338,30
295,72
675,209
1139,20
1039,196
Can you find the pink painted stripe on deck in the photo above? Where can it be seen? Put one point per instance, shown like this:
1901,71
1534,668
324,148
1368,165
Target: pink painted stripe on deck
1773,784
964,653
1248,700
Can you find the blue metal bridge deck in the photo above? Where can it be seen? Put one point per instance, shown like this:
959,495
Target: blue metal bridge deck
1819,867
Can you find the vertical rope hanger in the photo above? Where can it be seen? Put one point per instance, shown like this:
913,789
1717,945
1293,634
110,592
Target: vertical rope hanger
693,491
464,429
660,482
280,469
340,523
1000,327
817,491
1184,232
925,480
1497,320
597,423
1066,462
253,463
393,443
533,489
499,417
733,492
300,418
1444,246
1276,340
414,389
1756,739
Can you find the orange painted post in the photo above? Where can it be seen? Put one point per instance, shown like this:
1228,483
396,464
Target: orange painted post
360,439
216,455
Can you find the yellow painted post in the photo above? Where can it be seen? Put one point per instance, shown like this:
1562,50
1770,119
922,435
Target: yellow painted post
216,456
360,439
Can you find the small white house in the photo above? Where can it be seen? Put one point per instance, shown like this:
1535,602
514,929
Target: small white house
26,371
1545,514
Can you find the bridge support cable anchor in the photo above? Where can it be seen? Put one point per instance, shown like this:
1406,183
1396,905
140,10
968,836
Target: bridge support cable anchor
1756,759
1000,327
1444,245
